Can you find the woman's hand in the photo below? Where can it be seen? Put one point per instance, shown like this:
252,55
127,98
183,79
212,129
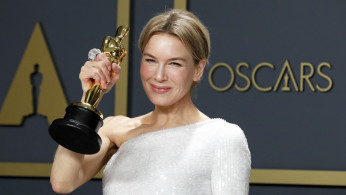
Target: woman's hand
100,72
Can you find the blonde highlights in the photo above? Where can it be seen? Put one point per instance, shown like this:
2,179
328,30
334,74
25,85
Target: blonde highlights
184,25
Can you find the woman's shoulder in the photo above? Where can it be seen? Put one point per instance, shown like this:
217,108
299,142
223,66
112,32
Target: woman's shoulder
117,127
122,121
111,120
227,130
231,137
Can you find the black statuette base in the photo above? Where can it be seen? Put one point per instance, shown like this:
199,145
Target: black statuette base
77,131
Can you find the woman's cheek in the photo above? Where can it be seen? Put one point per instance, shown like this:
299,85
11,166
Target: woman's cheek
146,71
179,75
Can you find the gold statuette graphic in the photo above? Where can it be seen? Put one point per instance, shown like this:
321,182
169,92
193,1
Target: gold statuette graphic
77,131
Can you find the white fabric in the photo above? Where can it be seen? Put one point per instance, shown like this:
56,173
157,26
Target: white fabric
208,157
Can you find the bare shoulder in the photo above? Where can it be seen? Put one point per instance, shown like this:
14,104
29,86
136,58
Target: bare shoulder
117,120
116,128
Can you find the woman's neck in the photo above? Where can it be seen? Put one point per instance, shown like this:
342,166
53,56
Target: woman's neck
181,113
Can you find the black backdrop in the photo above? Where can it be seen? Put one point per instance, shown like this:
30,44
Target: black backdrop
285,129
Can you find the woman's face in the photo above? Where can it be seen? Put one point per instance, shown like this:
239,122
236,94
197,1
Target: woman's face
167,70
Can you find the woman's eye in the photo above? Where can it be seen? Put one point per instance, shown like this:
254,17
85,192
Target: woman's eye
149,60
175,64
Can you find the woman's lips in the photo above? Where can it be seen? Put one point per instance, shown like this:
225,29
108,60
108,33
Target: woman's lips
160,89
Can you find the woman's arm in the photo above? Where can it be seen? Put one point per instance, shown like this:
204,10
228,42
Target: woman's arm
232,165
70,170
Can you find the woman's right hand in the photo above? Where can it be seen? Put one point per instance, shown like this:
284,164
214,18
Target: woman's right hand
100,72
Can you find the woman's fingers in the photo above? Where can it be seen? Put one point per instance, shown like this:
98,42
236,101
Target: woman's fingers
103,57
94,72
116,69
97,71
101,72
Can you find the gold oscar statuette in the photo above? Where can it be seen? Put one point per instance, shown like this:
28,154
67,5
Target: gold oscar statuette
77,131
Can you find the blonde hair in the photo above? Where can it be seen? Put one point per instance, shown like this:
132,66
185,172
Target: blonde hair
184,25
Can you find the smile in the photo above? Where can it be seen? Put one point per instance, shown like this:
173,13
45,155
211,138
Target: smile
160,89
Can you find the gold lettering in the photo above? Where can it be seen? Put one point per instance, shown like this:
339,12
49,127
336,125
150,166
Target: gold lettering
211,72
330,81
253,77
306,77
248,82
290,74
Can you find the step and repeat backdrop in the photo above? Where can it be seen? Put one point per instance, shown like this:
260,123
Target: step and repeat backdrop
276,69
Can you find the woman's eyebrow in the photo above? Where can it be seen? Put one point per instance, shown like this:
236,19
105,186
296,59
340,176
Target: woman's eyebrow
178,58
148,54
174,58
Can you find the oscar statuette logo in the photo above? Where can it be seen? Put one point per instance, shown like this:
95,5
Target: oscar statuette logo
77,131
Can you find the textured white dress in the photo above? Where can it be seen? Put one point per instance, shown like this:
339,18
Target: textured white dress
208,157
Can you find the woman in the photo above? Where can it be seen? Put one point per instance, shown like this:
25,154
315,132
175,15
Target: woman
175,149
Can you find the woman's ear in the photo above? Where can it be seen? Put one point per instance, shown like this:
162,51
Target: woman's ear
199,70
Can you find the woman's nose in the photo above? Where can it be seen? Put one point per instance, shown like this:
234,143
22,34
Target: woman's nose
161,75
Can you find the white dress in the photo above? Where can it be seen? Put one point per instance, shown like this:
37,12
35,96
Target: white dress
208,157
